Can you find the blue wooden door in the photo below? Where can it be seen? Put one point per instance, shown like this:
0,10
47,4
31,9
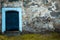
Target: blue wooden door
11,19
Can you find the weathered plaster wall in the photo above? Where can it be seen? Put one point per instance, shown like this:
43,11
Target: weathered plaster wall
37,14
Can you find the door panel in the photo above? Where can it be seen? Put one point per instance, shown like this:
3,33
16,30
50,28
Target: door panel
12,21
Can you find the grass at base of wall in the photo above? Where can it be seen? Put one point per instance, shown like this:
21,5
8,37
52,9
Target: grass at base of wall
50,36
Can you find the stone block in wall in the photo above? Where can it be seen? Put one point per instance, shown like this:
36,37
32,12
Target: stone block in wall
0,0
0,7
57,25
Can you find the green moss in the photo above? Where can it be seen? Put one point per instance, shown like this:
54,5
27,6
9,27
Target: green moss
51,36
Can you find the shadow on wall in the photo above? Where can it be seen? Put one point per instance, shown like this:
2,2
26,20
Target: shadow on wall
55,14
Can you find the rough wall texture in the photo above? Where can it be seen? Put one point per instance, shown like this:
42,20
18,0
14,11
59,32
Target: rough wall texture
41,15
38,15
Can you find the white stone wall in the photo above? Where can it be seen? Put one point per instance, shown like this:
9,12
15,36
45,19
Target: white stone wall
36,14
